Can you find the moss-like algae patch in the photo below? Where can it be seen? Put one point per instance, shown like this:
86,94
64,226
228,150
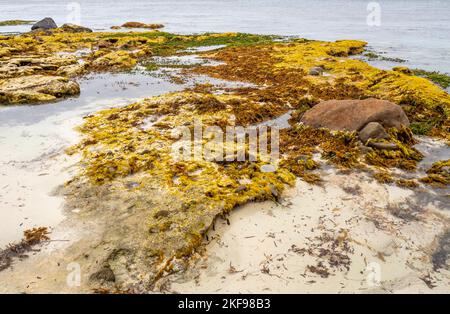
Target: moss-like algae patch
441,79
118,145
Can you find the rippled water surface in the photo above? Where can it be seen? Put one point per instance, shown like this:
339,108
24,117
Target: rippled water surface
416,30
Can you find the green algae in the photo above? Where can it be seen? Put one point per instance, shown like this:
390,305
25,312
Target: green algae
439,78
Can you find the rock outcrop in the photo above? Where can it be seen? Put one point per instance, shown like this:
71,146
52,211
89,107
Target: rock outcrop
354,115
72,28
45,24
34,64
36,88
142,25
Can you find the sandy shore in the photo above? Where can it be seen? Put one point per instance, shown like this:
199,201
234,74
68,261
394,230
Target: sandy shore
351,235
262,249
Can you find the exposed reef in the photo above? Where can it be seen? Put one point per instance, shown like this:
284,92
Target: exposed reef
127,154
36,88
72,51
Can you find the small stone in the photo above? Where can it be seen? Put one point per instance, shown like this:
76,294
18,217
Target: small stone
274,191
161,214
105,274
316,71
373,130
132,185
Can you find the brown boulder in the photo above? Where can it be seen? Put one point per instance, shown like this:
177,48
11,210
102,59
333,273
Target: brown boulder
353,115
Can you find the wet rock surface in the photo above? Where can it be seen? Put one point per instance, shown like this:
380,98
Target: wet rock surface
44,24
36,88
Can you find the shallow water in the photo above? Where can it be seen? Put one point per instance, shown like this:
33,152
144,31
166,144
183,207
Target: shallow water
32,143
416,30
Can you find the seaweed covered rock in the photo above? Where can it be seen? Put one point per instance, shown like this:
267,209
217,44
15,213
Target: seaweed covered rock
45,24
116,59
142,25
353,115
72,28
36,88
28,65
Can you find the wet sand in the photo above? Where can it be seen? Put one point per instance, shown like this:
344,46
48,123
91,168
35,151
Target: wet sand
261,250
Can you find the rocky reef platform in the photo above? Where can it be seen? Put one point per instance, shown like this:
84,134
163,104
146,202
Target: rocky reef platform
139,218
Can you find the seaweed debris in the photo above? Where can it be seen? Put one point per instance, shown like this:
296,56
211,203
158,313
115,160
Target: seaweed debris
32,237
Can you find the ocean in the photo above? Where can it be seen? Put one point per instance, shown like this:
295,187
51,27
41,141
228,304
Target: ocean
415,30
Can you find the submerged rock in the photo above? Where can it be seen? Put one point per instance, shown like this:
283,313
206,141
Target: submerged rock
72,28
36,88
372,130
353,115
47,23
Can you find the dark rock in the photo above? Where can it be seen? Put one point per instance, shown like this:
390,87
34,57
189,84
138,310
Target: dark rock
45,24
105,274
161,214
373,130
353,115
